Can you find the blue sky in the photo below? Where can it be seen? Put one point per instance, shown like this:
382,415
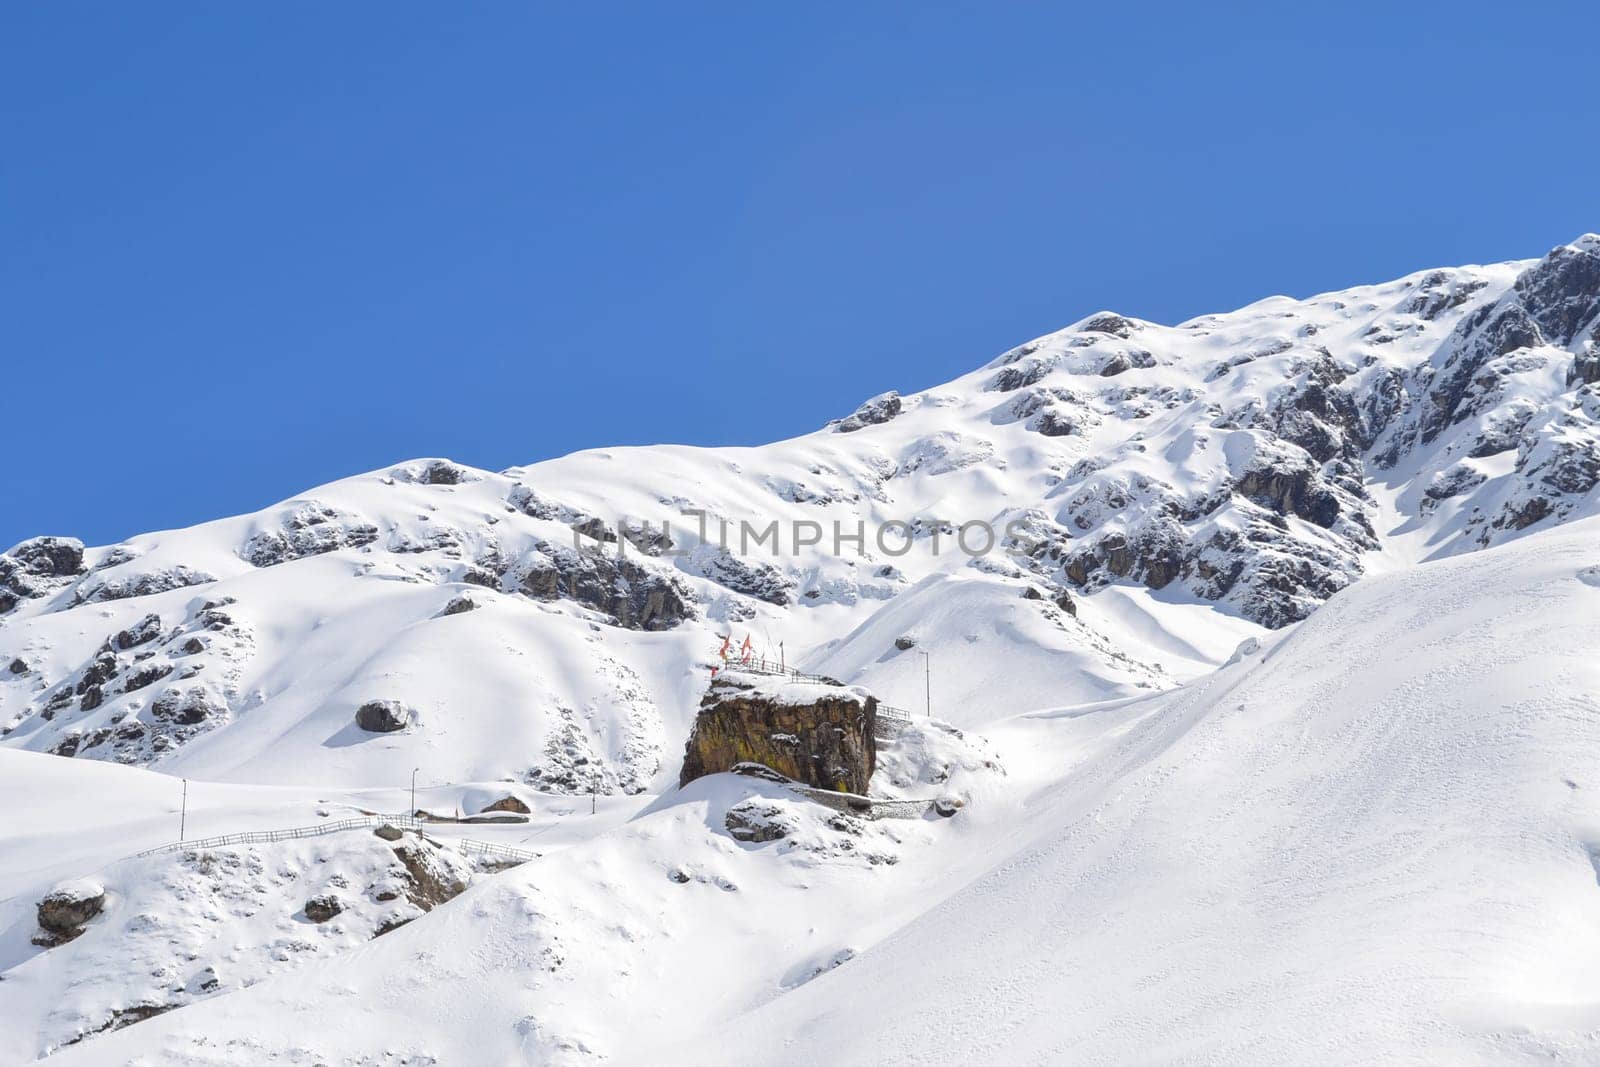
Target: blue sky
251,248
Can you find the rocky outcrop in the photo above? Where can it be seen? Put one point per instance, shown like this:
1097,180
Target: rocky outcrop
760,579
459,605
311,529
66,909
98,590
38,567
507,803
814,733
879,409
383,716
634,596
320,909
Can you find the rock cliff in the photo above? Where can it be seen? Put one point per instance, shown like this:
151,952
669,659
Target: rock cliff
816,733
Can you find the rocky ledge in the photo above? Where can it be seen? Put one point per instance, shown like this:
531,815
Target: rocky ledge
816,733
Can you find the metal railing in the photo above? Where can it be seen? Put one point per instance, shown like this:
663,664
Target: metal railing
404,822
759,665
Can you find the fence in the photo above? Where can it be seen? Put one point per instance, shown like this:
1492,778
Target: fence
760,665
404,822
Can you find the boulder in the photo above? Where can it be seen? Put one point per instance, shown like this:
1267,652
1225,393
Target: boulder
66,908
320,909
905,642
383,716
460,605
756,821
19,666
389,832
507,803
814,733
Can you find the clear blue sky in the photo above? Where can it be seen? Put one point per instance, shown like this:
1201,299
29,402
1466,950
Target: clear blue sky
248,248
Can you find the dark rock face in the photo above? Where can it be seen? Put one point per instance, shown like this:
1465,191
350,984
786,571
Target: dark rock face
508,803
905,642
825,742
38,567
64,911
310,530
142,632
320,909
146,676
634,596
760,580
440,472
460,605
1291,492
18,666
879,409
383,716
186,707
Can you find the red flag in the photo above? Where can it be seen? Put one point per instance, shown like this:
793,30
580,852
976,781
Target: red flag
744,649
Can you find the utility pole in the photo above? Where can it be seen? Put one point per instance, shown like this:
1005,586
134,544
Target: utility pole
413,810
927,684
594,793
183,810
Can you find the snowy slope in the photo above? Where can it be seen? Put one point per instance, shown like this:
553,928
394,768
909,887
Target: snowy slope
1202,851
1182,485
1375,839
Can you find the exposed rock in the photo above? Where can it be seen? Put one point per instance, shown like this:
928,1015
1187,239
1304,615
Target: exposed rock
146,676
434,876
383,716
1291,492
312,529
66,908
124,587
760,580
508,803
38,567
320,909
879,409
145,630
440,472
18,666
820,735
186,707
633,595
389,832
1585,368
460,605
757,821
905,642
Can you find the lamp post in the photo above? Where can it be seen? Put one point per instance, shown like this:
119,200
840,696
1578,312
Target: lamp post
413,810
927,683
183,810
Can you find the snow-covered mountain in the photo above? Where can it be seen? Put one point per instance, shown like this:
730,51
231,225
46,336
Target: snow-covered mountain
1160,856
